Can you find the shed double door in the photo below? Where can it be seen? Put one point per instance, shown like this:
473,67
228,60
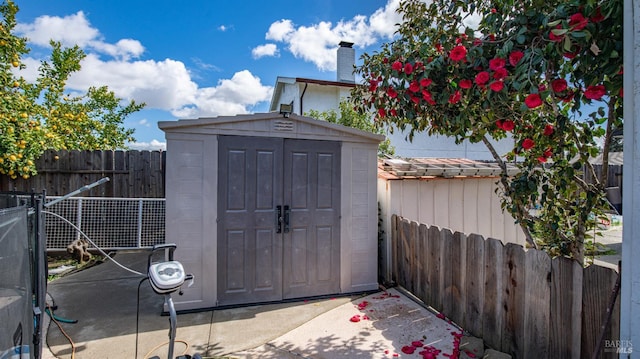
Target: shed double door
278,219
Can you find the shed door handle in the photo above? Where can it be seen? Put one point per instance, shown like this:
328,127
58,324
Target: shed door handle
279,219
287,213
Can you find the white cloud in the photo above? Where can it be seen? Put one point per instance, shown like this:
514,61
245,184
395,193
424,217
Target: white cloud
144,122
383,21
154,145
230,97
318,42
280,30
165,85
74,30
264,50
69,30
222,28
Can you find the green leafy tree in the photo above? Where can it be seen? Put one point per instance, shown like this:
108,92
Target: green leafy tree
548,73
44,115
350,117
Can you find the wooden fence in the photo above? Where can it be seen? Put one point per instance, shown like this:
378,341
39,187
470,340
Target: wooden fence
132,174
520,302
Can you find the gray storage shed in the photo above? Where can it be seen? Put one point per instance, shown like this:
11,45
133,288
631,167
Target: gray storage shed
265,207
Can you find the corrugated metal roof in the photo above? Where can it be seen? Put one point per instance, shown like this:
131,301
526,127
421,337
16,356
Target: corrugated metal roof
615,158
439,167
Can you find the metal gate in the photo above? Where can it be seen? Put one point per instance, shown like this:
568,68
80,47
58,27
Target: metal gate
279,219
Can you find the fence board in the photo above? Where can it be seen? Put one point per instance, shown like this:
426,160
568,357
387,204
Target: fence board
514,298
413,255
421,250
474,285
493,293
405,256
433,267
598,284
537,305
453,303
566,303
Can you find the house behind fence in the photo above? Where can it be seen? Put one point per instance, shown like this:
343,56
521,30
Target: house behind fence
520,302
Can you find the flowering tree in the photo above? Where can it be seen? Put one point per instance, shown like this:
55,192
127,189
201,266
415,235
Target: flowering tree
41,115
546,73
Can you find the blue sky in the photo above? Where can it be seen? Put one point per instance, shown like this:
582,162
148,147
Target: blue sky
200,57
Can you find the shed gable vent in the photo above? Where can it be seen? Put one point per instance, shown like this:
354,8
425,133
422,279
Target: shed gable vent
283,125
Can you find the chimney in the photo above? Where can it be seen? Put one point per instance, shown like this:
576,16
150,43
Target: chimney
346,62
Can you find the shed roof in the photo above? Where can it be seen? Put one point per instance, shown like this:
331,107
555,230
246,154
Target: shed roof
426,168
270,124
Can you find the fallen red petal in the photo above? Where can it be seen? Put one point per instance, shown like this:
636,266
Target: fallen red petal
355,318
417,344
407,349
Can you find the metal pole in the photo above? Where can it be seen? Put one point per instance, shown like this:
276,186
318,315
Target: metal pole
79,190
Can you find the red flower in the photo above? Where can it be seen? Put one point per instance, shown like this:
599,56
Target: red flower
415,99
393,112
597,16
533,100
548,130
493,10
492,37
426,95
385,60
527,144
500,73
373,85
439,47
555,38
477,42
408,68
542,159
455,98
496,86
559,85
482,78
515,57
397,66
508,125
570,55
465,84
414,87
458,53
391,92
497,63
425,82
595,92
381,113
578,22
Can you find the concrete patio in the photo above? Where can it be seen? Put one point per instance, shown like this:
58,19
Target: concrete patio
103,299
